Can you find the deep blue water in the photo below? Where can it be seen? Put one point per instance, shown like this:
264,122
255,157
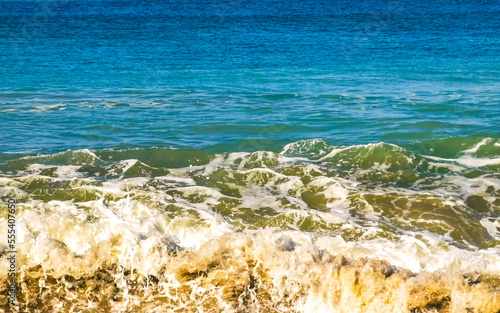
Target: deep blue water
245,75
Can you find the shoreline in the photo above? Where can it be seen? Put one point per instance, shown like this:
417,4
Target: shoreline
237,273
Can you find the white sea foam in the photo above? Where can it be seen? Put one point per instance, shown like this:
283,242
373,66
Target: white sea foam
468,160
254,228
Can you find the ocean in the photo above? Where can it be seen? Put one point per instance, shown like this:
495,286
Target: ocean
250,156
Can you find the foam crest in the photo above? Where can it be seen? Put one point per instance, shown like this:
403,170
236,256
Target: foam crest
368,228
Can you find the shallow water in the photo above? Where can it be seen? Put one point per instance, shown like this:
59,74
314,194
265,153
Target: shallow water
235,156
187,230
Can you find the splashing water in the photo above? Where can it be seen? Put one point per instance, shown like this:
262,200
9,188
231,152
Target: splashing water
315,228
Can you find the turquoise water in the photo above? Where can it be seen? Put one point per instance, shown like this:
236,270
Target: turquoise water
238,156
236,75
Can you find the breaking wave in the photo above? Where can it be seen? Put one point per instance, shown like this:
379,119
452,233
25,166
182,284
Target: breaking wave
314,228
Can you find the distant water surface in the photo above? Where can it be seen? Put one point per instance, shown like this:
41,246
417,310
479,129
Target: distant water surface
210,74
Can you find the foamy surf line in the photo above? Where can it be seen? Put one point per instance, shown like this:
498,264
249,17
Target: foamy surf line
315,228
